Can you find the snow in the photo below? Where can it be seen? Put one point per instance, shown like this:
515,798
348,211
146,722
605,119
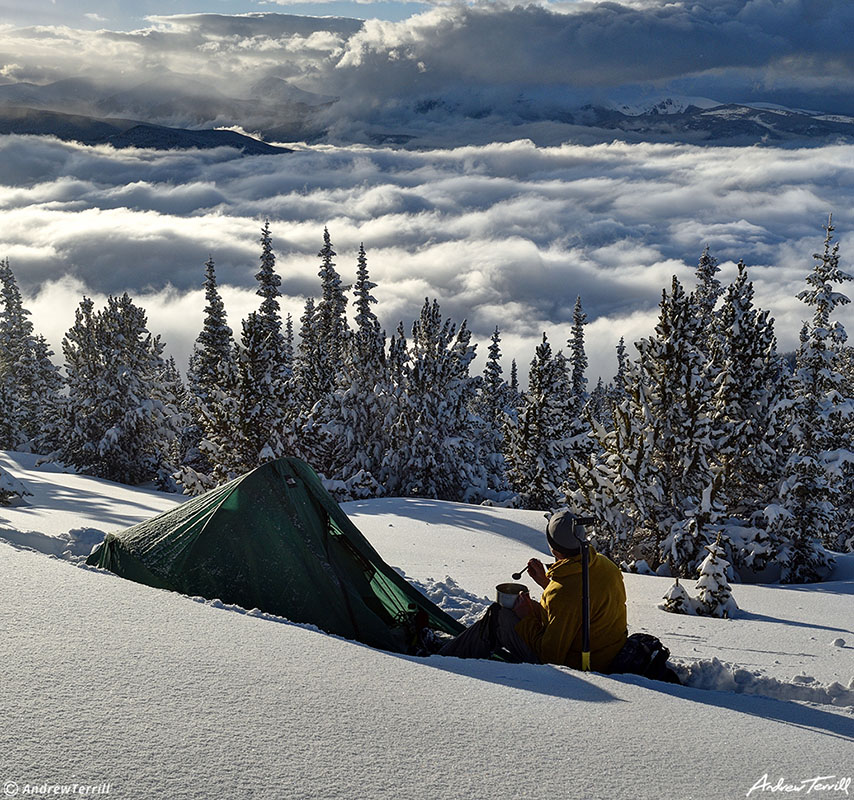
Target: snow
107,681
11,489
661,104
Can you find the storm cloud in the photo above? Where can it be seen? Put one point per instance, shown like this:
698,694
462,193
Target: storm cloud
502,234
473,59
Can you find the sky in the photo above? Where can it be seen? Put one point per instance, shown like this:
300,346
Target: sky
796,51
502,231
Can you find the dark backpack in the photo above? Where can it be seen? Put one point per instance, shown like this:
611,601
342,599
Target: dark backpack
644,654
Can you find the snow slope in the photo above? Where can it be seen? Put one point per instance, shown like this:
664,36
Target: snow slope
153,693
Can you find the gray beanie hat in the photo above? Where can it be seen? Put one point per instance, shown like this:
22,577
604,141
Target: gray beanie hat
564,534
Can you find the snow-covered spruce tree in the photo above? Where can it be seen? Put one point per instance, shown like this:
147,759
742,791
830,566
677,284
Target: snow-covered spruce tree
653,485
226,444
598,407
677,600
536,442
807,512
213,357
514,395
579,442
331,328
707,293
578,361
29,381
845,509
397,434
176,395
264,390
307,360
714,597
117,424
247,419
747,431
11,489
621,483
673,366
215,343
348,424
431,448
617,389
289,346
492,405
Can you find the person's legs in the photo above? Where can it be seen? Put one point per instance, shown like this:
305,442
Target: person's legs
494,630
473,642
510,640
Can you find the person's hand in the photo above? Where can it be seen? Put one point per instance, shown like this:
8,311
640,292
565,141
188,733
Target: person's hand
538,572
524,606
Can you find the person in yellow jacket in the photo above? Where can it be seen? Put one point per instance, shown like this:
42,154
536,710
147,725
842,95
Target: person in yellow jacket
551,629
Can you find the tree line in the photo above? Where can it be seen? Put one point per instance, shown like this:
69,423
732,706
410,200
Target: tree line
707,432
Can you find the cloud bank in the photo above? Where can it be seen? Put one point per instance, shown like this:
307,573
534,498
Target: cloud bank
501,234
468,61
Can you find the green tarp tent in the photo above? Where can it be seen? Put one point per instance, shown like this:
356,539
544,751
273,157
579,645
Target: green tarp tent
274,539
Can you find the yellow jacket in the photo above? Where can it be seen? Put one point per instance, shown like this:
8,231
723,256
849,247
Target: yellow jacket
553,632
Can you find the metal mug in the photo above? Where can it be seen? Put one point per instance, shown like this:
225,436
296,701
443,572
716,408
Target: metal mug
508,593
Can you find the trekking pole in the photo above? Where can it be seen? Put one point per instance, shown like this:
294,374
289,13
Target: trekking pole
585,606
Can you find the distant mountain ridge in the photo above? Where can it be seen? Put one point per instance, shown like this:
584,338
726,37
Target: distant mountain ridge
123,133
720,124
180,111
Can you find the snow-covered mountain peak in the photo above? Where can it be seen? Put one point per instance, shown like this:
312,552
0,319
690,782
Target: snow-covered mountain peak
672,104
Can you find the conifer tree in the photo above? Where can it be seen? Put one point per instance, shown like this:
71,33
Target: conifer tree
677,600
708,290
715,595
747,431
598,407
430,453
29,380
348,424
679,395
308,360
213,357
11,489
227,442
578,361
492,406
396,420
117,424
289,347
214,344
247,418
264,392
537,441
579,442
810,494
617,389
332,329
175,395
268,319
653,483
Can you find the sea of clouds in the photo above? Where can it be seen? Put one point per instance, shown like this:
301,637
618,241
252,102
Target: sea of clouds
505,234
